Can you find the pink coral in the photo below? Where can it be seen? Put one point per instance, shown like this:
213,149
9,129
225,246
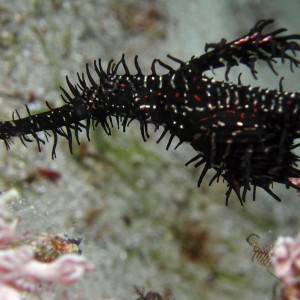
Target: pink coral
285,257
20,272
66,270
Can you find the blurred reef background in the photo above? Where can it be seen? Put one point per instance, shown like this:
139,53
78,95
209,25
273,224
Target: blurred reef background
135,205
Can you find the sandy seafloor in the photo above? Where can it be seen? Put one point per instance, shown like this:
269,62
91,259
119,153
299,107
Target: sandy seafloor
137,208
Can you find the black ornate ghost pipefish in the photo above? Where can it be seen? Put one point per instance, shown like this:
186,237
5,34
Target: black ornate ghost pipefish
246,134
